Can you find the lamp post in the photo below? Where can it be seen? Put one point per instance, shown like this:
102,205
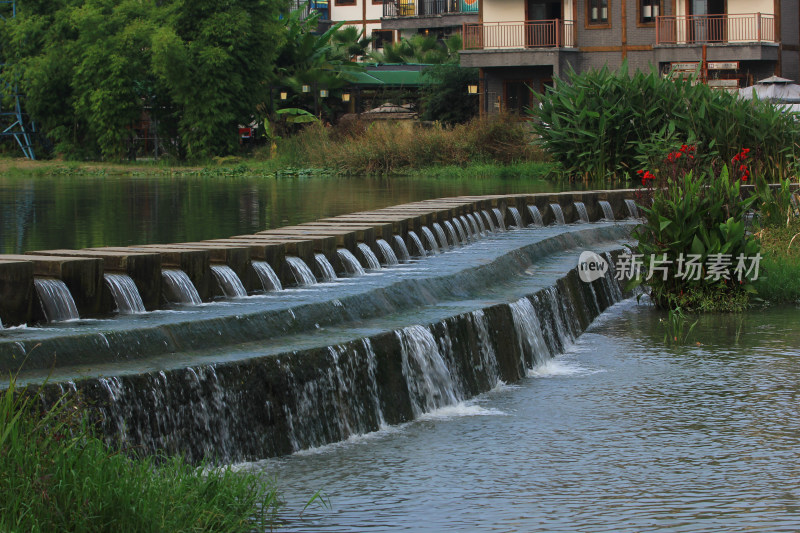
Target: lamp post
474,88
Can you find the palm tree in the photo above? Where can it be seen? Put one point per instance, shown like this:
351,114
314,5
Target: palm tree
425,49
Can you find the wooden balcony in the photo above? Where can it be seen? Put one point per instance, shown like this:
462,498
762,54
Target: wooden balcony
519,35
715,29
420,8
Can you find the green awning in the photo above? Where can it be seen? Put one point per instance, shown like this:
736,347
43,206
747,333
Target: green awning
396,78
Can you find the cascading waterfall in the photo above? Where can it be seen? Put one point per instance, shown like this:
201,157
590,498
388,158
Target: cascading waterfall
430,384
558,213
351,264
462,234
468,228
489,220
325,267
300,271
125,294
583,215
608,212
451,231
479,219
441,236
476,230
418,244
533,349
309,397
389,257
434,248
489,366
178,288
536,216
501,224
57,302
633,209
517,217
405,257
369,256
228,281
269,279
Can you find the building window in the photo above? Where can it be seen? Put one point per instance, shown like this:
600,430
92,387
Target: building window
648,11
381,38
597,11
345,2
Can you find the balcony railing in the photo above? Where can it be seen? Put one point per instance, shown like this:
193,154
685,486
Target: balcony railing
699,29
418,8
312,6
510,35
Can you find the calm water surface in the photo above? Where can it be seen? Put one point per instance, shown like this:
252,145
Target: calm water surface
38,213
619,434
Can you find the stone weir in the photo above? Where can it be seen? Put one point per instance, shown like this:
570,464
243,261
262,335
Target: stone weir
157,272
472,297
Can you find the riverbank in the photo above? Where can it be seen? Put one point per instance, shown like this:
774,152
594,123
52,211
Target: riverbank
56,474
251,168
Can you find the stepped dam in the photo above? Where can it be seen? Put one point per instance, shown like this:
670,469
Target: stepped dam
267,344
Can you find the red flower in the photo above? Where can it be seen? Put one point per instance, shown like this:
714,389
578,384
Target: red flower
735,158
743,168
684,148
678,155
746,151
640,172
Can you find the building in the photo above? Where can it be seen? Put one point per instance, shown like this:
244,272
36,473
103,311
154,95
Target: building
522,44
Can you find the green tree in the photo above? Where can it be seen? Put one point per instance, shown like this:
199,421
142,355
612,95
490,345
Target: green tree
445,96
88,69
213,57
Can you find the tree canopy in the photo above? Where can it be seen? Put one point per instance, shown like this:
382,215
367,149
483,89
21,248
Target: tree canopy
89,68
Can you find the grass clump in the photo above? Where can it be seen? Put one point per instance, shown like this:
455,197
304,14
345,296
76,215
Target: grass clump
57,475
779,278
356,147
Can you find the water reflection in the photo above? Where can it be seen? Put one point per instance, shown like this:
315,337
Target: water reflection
77,212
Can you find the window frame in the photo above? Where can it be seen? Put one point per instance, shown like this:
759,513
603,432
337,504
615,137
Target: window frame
651,23
589,24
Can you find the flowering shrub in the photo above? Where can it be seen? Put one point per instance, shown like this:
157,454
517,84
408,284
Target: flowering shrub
691,214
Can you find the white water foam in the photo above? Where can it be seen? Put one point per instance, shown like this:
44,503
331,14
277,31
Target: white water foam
459,410
561,367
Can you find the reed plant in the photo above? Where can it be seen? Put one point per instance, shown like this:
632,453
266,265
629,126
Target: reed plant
358,147
56,474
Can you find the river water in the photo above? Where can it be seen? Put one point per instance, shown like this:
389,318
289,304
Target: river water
621,433
51,212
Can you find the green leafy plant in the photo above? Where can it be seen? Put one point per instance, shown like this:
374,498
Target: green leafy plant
675,331
701,215
601,125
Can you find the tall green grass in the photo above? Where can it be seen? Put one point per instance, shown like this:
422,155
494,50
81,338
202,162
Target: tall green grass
357,147
57,475
779,272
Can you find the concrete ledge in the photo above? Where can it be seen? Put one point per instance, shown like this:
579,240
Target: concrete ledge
236,257
16,291
83,276
195,263
143,268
